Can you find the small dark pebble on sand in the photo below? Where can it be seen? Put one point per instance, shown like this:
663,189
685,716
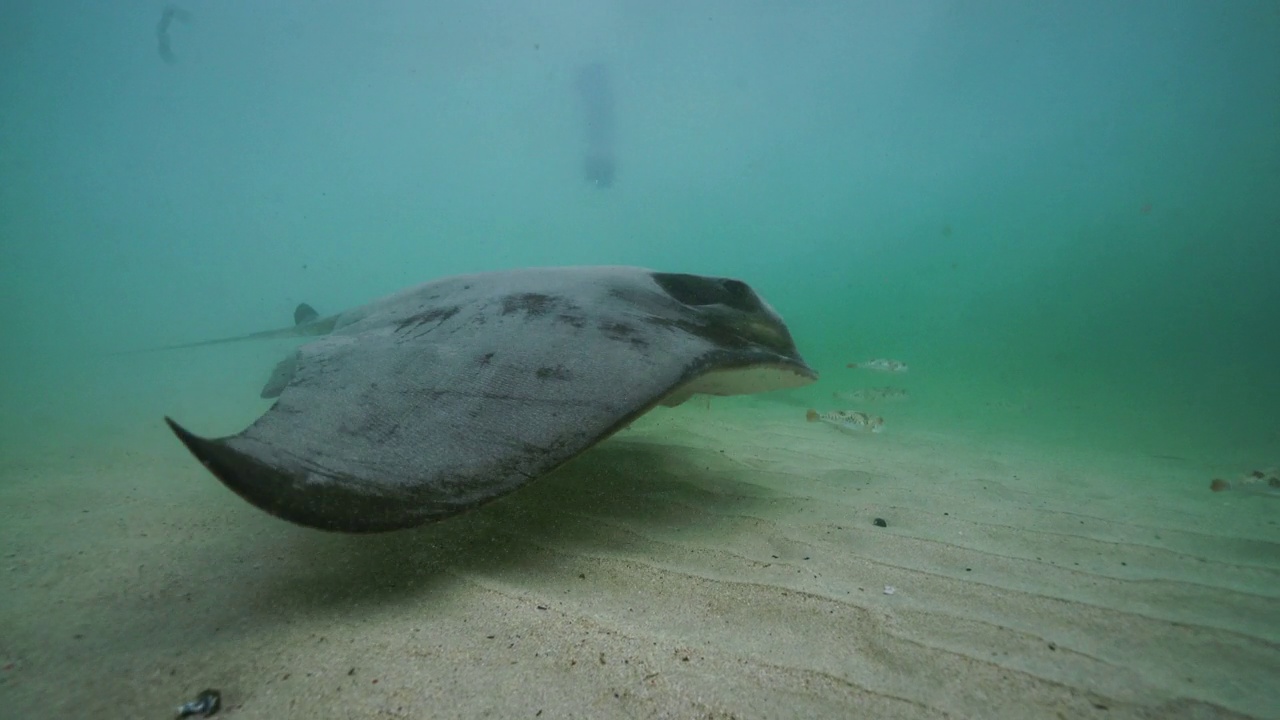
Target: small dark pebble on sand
879,522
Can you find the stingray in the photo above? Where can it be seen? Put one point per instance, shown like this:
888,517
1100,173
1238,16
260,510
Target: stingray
447,395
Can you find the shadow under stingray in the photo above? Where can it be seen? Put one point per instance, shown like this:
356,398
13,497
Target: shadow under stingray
646,487
229,582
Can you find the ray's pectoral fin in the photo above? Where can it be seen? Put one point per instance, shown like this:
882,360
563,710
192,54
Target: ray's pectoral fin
332,505
280,377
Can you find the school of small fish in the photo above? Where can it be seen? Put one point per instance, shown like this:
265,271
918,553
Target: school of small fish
1258,482
880,365
847,420
857,420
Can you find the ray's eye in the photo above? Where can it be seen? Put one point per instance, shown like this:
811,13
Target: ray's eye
699,291
737,290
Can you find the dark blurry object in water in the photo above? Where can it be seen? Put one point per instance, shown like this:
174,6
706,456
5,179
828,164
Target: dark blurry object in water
206,704
167,16
879,522
595,92
599,170
304,314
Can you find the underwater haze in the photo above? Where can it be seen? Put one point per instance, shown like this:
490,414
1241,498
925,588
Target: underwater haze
1064,216
1075,200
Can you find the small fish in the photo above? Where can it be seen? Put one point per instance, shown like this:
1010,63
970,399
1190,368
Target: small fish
872,394
881,365
1258,482
847,420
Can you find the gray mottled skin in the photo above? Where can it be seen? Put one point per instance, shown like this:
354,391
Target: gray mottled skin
446,395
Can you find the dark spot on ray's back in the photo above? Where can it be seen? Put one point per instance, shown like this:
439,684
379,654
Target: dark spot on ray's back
433,315
426,394
617,330
529,303
553,373
575,320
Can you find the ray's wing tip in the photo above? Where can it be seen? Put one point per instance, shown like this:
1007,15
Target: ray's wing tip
202,448
272,490
187,437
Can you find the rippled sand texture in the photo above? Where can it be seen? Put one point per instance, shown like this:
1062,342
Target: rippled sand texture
708,564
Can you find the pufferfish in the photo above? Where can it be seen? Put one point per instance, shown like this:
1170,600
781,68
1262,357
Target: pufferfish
847,420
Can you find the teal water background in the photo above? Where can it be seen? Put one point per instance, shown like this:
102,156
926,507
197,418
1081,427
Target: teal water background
1064,216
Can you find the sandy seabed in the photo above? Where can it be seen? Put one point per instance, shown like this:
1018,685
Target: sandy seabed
720,563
